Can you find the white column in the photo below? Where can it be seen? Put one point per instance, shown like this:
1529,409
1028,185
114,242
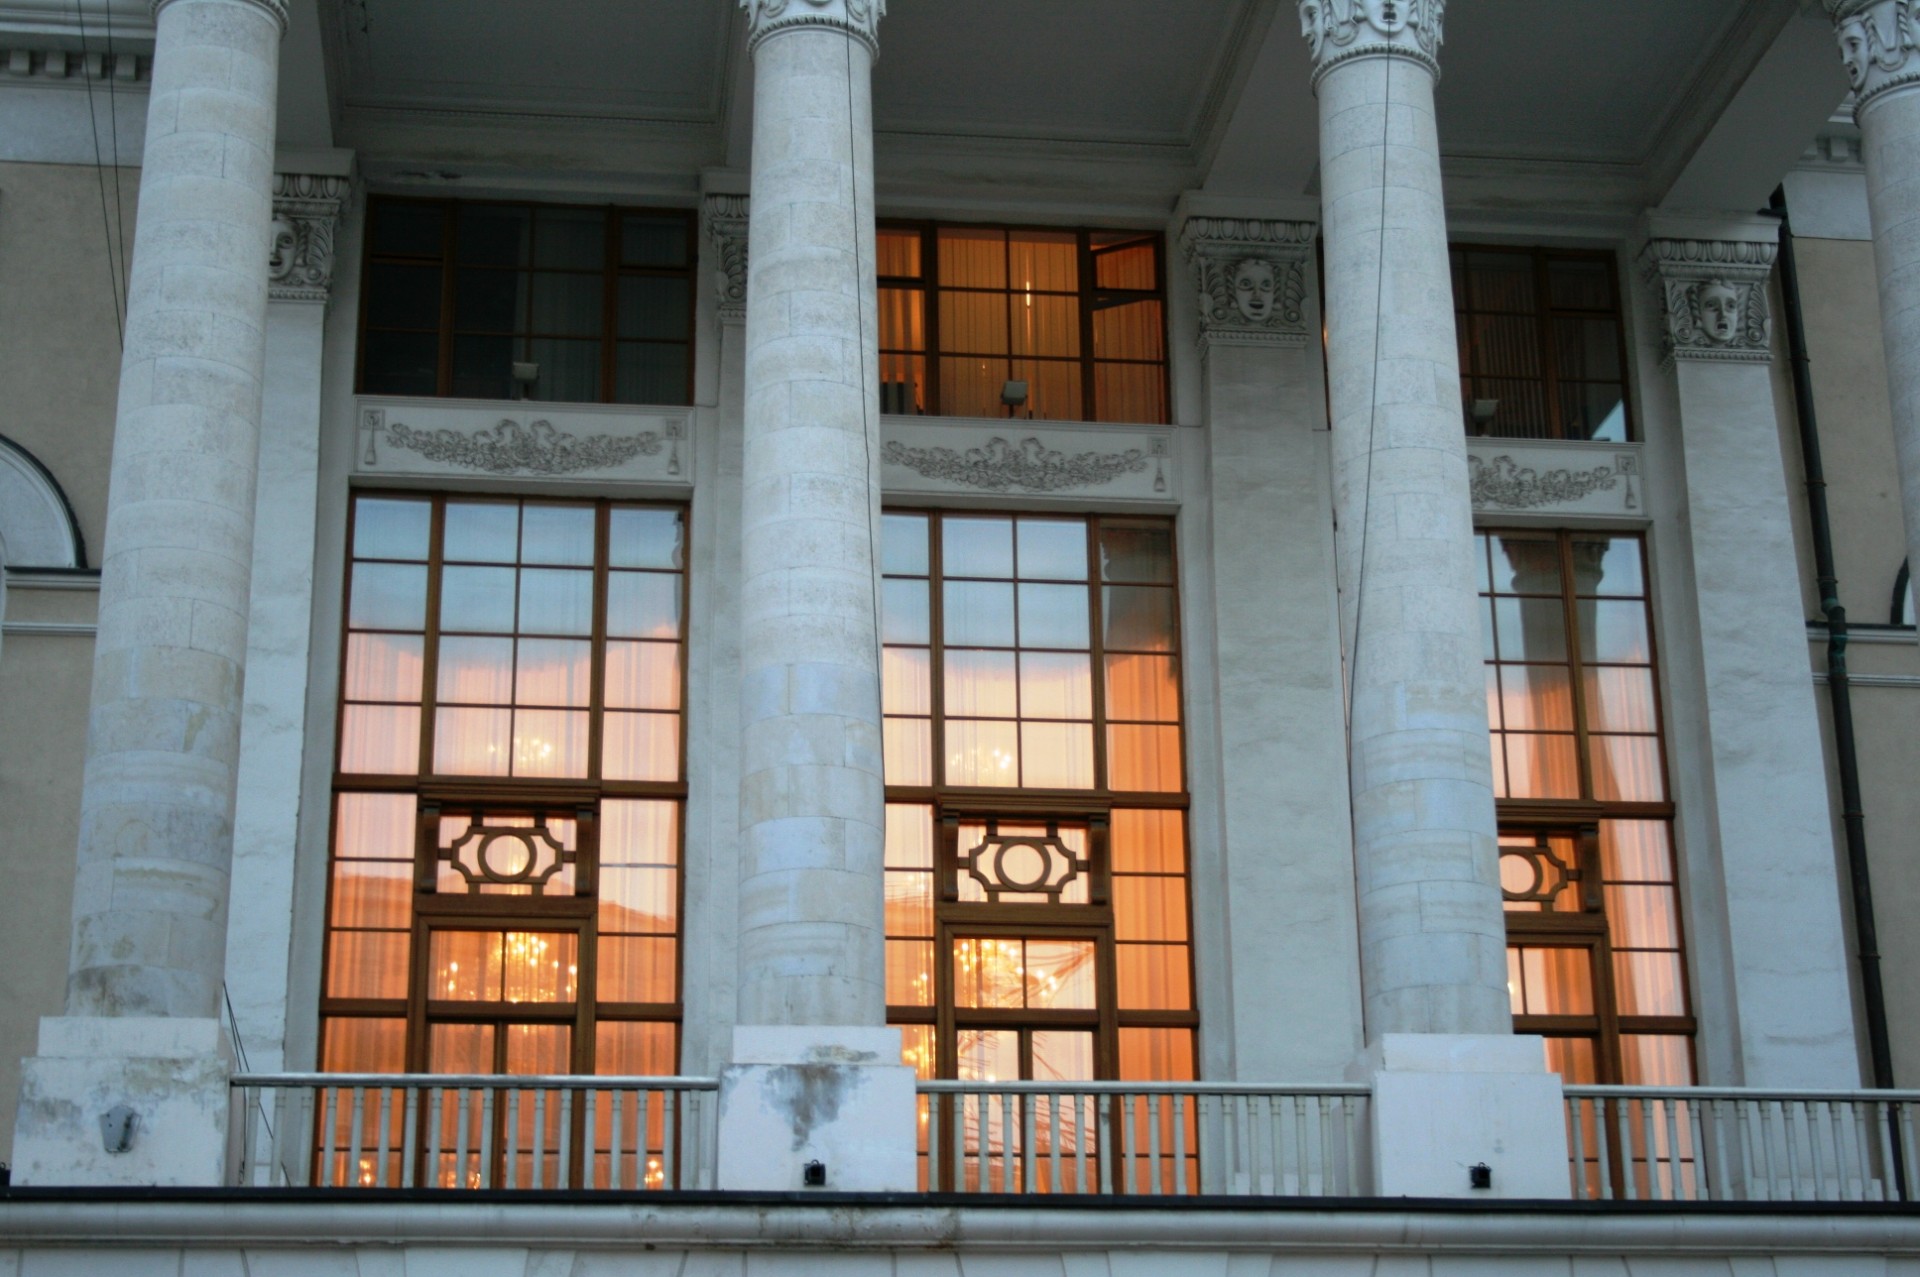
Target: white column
273,726
1451,1086
1880,48
156,832
1777,871
1290,931
815,1077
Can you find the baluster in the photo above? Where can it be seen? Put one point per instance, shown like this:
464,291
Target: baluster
408,1124
460,1155
540,1137
354,1118
1302,1163
1604,1139
1792,1129
486,1136
962,1105
1025,1105
1886,1188
1055,1132
1213,1152
327,1105
1080,1146
613,1140
1702,1185
934,1168
590,1132
1909,1166
1649,1110
385,1146
1128,1143
1007,1130
1576,1106
1670,1117
1181,1104
1812,1109
1622,1115
512,1176
1276,1174
1760,1117
436,1115
1349,1106
255,1099
563,1166
1717,1185
670,1138
1109,1157
1323,1104
1153,1142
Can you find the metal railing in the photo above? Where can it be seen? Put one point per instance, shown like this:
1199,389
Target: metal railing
1154,1138
372,1130
1712,1144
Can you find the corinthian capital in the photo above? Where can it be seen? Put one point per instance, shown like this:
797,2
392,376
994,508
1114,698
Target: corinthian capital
859,18
1340,30
1251,278
306,207
1878,40
1713,295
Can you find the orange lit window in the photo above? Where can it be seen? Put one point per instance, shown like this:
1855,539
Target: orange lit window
1595,958
1076,319
505,876
1037,907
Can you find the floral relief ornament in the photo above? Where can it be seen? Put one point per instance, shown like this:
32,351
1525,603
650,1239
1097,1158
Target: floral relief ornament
511,448
1340,29
1877,42
1030,465
860,18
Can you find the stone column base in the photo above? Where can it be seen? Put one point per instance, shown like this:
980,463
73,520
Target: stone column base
172,1073
835,1095
1444,1103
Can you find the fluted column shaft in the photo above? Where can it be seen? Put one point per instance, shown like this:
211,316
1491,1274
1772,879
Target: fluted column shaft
1880,48
812,811
1432,931
156,820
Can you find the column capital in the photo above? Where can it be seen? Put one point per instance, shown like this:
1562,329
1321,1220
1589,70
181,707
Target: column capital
858,18
306,209
275,9
1250,275
1879,45
1342,30
726,218
1713,296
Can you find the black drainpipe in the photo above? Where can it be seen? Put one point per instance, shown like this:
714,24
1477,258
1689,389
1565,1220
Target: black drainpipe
1839,686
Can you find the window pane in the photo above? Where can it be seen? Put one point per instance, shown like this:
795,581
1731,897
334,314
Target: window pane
1133,330
390,529
384,667
1541,766
388,596
1635,851
906,680
1061,1056
1149,908
477,599
650,373
356,1045
475,671
909,903
970,387
903,612
403,228
1656,1059
1054,685
1124,260
367,964
1614,630
909,836
1053,616
982,753
1573,1060
1153,977
634,969
1053,388
1129,553
1505,346
1627,769
1139,618
569,370
1607,565
472,742
1059,974
655,307
1143,759
640,746
1501,281
1047,326
641,605
643,675
372,893
1530,629
488,301
1620,699
1537,697
1048,261
978,613
1149,841
903,544
1593,410
557,534
987,973
1524,564
549,742
400,364
639,832
1649,984
653,241
1642,918
1129,392
483,531
403,296
1587,349
898,251
1143,687
1558,981
976,547
1057,755
644,539
374,826
907,751
981,684
639,899
491,235
973,323
380,740
483,367
1576,284
973,257
553,672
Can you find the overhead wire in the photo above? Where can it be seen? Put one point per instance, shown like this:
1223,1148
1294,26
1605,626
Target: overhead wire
114,276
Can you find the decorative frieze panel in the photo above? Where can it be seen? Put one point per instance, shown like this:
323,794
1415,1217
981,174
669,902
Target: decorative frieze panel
989,457
1553,478
582,443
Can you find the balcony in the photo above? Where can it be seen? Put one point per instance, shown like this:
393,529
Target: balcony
1197,1140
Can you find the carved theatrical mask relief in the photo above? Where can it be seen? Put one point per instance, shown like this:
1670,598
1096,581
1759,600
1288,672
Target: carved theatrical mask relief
1717,309
1341,23
1874,35
1256,289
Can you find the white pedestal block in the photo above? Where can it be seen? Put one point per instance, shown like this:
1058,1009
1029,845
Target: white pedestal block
1444,1103
171,1072
797,1094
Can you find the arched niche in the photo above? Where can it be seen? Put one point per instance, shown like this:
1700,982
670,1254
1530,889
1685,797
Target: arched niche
37,526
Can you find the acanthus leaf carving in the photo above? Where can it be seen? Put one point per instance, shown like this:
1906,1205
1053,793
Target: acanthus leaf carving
727,235
306,209
537,448
1030,466
1338,31
858,18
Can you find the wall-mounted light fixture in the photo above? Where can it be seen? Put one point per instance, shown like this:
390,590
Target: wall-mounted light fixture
524,375
1480,1176
116,1128
1483,412
814,1174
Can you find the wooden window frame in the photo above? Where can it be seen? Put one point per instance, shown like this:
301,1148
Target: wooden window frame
612,270
928,284
1547,343
430,910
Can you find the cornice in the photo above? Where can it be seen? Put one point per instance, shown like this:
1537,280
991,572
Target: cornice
1339,31
1250,279
49,64
858,18
1878,42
